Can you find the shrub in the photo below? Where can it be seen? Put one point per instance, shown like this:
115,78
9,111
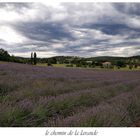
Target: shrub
49,64
93,122
130,67
12,116
69,65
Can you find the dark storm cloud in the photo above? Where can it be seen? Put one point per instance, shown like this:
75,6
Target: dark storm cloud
43,31
113,29
87,29
128,8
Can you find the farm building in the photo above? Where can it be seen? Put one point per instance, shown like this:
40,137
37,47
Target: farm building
106,64
89,62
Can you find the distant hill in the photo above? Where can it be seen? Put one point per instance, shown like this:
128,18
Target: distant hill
4,56
99,58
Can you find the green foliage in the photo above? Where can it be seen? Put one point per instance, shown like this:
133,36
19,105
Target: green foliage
73,60
78,65
52,60
134,109
33,58
69,65
88,100
4,56
4,89
130,66
93,122
49,64
120,64
12,116
40,111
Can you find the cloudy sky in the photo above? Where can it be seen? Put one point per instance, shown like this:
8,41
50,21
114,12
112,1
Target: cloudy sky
75,29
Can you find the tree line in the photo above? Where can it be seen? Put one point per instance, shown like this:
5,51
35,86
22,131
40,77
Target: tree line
119,62
5,56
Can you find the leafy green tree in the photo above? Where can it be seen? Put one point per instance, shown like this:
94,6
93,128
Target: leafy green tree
130,66
52,60
120,64
4,55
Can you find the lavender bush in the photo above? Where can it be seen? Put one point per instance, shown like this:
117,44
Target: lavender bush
49,96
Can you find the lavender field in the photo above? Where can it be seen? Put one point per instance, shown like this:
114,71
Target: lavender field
68,97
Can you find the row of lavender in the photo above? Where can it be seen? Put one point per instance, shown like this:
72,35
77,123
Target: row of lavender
48,96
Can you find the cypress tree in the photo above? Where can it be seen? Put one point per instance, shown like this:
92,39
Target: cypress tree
35,58
31,57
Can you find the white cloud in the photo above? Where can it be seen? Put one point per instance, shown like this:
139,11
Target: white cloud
55,46
10,36
133,22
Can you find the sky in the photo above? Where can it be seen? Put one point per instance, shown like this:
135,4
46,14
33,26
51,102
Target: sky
70,29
